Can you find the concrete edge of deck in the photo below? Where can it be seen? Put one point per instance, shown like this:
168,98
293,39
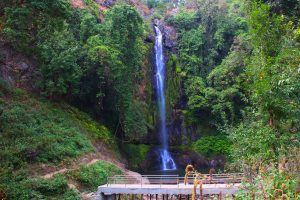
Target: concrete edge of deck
208,189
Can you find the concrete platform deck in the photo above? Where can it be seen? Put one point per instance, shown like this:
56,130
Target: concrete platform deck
167,189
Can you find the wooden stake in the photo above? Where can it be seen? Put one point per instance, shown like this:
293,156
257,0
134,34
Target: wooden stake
253,196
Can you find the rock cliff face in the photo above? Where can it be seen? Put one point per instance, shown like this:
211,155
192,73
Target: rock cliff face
17,69
175,101
169,35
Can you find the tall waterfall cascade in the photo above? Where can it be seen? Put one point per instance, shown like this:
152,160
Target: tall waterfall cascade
167,162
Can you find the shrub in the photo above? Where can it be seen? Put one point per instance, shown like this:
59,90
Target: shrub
35,131
270,183
91,127
212,145
17,186
4,87
57,185
91,176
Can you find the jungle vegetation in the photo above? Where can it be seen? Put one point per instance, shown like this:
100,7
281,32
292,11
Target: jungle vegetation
237,67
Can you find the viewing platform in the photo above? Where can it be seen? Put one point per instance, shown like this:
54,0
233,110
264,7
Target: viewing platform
168,186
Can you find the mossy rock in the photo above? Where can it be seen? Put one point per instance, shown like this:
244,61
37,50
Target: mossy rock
136,155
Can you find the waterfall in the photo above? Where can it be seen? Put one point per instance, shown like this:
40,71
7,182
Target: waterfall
166,159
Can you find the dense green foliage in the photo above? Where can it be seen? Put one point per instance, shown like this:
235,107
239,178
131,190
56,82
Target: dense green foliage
211,55
91,176
83,59
173,84
125,31
271,121
18,186
234,72
35,131
136,155
212,146
240,70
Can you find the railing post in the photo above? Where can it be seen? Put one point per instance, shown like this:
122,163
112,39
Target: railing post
160,180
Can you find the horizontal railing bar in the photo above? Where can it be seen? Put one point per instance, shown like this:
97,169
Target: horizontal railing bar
176,179
188,175
181,178
147,176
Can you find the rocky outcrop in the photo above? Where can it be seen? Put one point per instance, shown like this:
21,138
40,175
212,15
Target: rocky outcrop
183,158
169,35
106,3
152,161
200,162
77,4
17,69
150,38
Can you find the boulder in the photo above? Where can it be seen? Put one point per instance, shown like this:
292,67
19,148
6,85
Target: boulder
150,38
22,66
106,3
170,37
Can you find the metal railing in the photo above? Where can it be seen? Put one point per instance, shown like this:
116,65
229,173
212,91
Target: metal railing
174,179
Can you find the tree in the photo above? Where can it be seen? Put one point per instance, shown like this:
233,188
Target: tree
195,91
225,93
124,29
267,33
268,137
191,50
23,19
58,58
88,26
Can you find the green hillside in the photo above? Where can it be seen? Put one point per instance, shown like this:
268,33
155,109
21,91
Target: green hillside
36,131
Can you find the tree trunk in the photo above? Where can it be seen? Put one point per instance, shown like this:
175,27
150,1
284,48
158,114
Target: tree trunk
271,118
